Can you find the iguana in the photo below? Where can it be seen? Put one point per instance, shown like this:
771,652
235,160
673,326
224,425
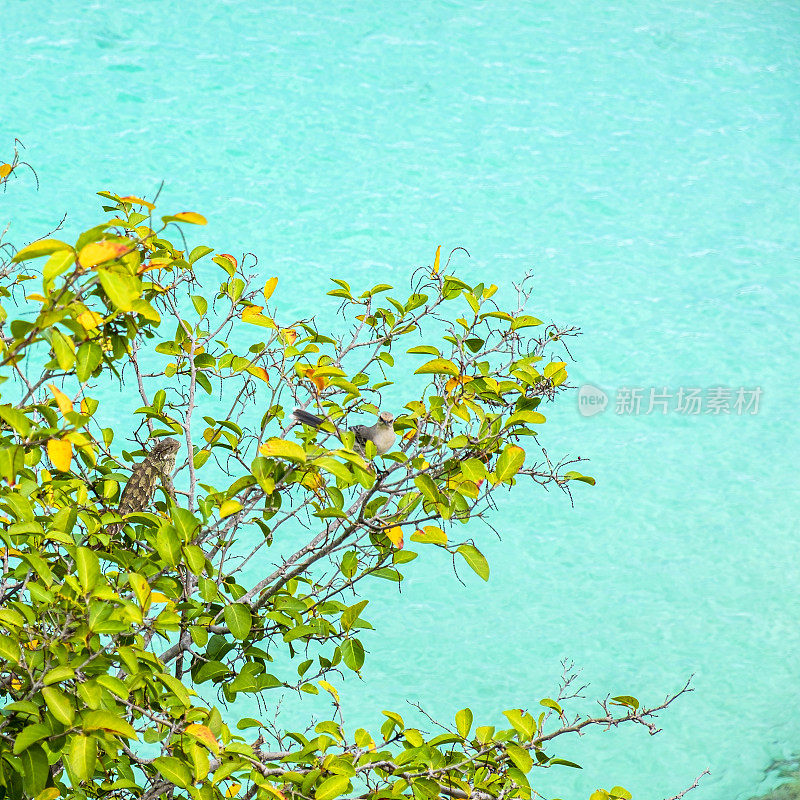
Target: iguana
156,466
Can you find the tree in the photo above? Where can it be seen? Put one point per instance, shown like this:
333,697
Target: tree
124,636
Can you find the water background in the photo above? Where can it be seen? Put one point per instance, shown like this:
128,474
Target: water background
642,159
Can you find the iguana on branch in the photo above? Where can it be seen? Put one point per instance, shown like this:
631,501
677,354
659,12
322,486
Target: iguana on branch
156,466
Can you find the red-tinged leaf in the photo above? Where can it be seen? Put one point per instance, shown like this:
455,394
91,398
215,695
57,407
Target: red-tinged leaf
96,253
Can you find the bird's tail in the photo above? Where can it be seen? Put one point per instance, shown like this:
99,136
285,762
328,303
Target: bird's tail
306,418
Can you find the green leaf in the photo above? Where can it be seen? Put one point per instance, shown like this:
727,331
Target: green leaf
27,736
619,792
524,724
508,465
114,685
106,721
475,559
464,722
9,649
82,756
176,687
576,476
239,620
59,704
521,758
424,483
519,777
548,703
352,654
199,252
174,770
438,366
564,763
351,614
87,360
195,558
88,567
524,321
168,545
335,467
349,564
121,287
59,262
473,469
63,348
58,674
200,458
35,770
332,787
44,247
425,349
16,419
626,700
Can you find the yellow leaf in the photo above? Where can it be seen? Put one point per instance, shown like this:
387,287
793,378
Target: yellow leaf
436,260
313,480
330,689
191,216
137,201
187,347
395,536
430,534
154,263
37,297
233,790
50,793
281,448
289,335
90,320
157,597
276,793
229,507
309,373
459,381
269,288
59,451
5,170
228,257
96,253
259,372
211,435
253,315
204,735
63,402
252,311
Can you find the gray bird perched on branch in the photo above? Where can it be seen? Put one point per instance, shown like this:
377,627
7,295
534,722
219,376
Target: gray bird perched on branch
156,466
381,434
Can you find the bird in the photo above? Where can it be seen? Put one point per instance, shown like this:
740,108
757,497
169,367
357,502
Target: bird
156,466
381,434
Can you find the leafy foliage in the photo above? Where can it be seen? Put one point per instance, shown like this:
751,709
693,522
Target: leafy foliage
124,639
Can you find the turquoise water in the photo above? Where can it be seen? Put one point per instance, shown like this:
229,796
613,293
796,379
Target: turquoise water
643,159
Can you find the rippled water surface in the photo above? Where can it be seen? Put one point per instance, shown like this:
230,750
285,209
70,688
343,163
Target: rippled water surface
643,160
